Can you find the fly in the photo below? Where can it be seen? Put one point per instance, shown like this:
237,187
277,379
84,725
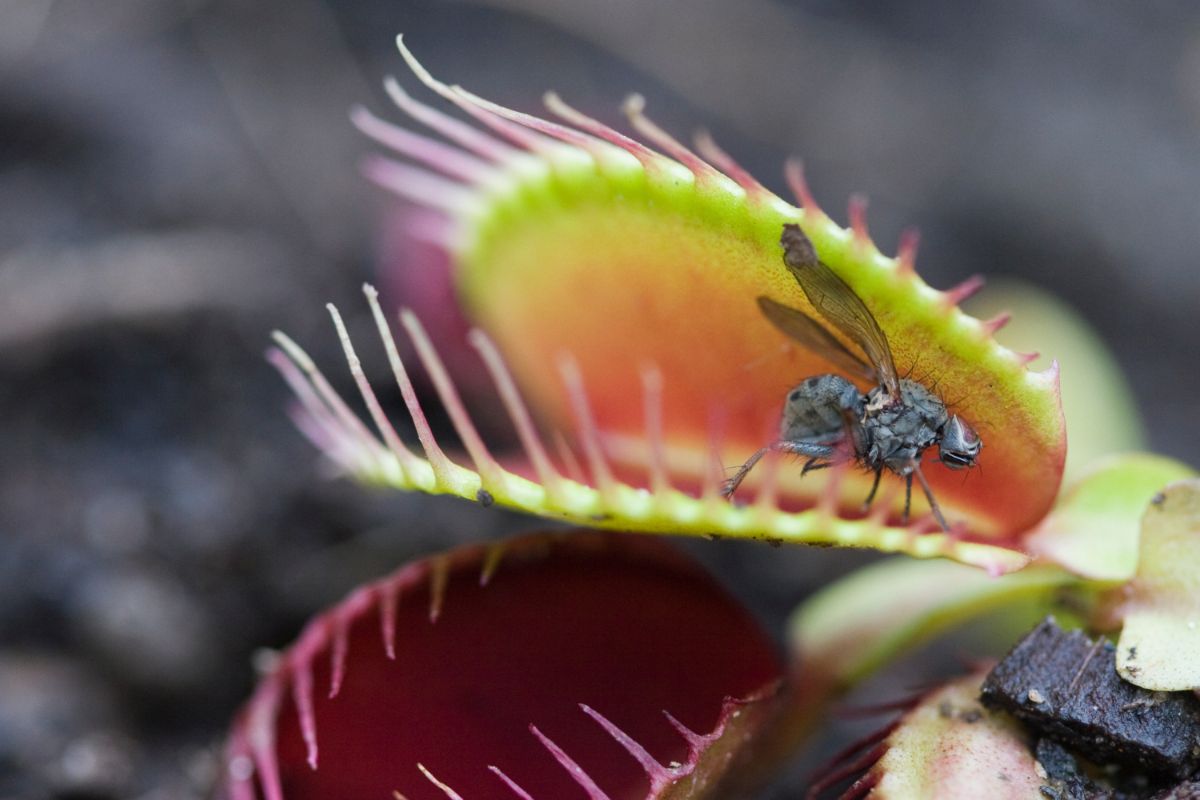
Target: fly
827,419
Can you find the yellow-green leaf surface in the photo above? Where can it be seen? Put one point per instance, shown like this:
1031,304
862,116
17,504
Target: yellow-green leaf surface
1159,647
618,283
1093,531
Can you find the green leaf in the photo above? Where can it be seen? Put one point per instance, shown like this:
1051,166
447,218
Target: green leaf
1159,647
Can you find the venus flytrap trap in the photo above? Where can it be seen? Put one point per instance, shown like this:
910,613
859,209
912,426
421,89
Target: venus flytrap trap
612,285
616,287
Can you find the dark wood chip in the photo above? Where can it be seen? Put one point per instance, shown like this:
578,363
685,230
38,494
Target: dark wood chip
1066,687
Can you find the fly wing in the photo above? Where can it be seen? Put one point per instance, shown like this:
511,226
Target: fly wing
838,303
808,332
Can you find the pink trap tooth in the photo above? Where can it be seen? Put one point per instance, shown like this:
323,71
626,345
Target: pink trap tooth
418,185
650,159
794,173
444,788
659,775
652,389
569,460
633,107
511,784
447,159
302,694
1028,358
576,772
439,575
710,150
518,412
462,134
957,294
589,435
520,135
490,473
857,211
906,251
583,141
991,326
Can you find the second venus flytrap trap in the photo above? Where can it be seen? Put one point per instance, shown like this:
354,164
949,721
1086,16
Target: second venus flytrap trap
640,321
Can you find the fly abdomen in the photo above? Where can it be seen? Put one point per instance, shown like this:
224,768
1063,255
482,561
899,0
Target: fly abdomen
817,409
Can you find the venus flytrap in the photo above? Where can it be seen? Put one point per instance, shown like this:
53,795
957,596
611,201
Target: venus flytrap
611,281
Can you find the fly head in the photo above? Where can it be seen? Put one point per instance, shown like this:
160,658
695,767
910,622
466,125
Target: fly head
959,445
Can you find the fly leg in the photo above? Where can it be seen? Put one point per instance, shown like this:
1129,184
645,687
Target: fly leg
813,464
874,488
813,451
933,504
907,498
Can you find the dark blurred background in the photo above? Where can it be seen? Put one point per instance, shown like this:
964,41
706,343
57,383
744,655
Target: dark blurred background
178,177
